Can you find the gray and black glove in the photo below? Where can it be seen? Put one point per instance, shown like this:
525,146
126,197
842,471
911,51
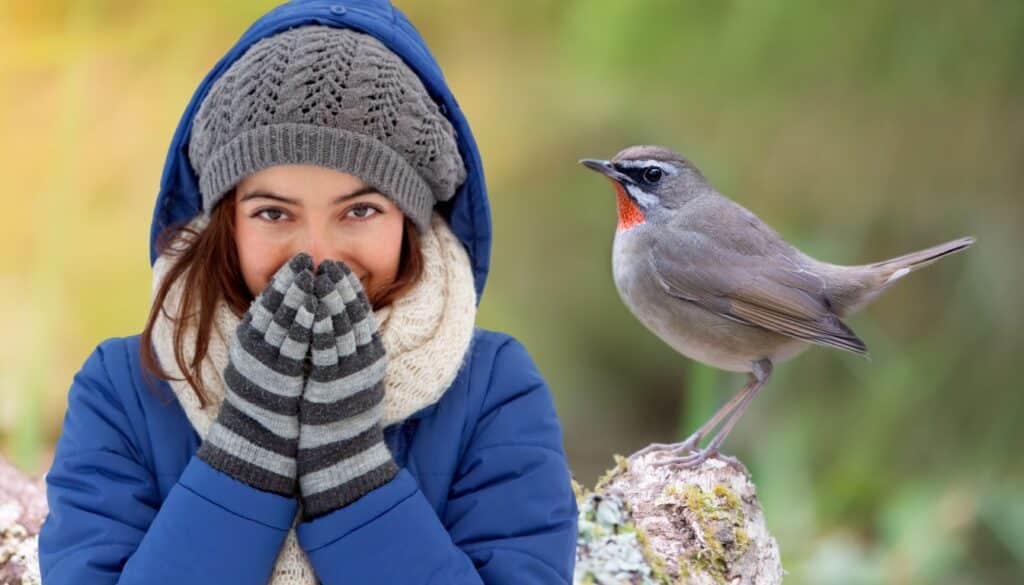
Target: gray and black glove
255,436
342,454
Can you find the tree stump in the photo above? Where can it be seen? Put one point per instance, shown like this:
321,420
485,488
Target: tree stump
658,525
22,511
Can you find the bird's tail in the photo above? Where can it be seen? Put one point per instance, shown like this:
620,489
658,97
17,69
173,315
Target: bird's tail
862,284
895,268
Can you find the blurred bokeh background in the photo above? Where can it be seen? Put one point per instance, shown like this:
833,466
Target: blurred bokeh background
859,130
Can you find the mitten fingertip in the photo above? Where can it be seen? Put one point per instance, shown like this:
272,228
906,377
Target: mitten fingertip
301,261
335,269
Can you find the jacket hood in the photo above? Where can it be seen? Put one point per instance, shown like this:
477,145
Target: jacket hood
467,213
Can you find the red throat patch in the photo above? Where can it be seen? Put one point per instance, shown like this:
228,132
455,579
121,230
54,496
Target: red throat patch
629,214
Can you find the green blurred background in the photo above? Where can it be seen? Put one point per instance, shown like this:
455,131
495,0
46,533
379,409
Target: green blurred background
859,130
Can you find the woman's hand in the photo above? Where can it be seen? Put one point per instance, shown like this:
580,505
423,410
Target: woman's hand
342,454
255,436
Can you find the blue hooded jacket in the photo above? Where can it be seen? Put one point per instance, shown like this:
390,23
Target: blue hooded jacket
484,492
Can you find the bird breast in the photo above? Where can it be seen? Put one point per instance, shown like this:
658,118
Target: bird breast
686,327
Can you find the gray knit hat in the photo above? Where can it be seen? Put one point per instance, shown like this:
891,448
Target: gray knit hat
331,97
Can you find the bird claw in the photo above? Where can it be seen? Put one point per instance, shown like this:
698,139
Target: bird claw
686,446
697,458
694,459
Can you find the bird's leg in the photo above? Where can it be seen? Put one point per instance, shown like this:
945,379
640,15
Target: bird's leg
761,371
691,442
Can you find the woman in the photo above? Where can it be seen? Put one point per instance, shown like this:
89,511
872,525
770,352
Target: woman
310,400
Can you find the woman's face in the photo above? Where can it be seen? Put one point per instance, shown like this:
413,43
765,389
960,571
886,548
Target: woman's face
283,210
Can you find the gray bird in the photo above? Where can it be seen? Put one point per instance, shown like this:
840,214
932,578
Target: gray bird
720,286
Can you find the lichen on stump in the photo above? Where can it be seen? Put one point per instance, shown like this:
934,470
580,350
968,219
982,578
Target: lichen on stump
649,524
22,511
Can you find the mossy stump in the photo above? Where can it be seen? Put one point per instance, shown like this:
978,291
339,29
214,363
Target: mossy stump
658,525
22,510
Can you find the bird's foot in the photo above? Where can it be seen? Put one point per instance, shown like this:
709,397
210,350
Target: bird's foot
697,458
686,446
690,461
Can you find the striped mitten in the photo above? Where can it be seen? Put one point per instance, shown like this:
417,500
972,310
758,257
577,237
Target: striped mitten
254,438
342,454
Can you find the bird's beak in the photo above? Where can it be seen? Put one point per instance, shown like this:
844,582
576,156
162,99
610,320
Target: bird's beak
605,168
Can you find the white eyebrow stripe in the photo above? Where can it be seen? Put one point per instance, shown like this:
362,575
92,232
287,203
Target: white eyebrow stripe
667,168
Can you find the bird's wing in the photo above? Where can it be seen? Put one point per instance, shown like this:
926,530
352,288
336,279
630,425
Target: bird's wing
772,292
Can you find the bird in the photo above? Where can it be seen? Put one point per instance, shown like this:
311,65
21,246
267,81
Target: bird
720,286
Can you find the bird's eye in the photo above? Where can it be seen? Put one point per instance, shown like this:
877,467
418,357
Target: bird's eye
652,174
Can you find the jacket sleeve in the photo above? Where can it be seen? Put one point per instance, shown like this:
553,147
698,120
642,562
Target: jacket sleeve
511,513
106,522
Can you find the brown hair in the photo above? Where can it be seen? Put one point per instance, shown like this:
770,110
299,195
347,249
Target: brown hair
219,276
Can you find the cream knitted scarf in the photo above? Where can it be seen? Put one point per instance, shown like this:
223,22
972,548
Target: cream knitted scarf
426,334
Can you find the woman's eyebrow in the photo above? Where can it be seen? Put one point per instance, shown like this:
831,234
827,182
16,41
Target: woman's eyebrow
270,195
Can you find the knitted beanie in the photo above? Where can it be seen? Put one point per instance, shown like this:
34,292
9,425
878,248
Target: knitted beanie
331,97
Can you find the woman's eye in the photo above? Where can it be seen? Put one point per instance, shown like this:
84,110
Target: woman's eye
261,213
362,211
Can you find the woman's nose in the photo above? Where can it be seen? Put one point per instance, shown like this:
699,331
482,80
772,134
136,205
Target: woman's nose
317,245
321,246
